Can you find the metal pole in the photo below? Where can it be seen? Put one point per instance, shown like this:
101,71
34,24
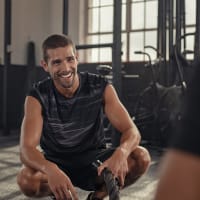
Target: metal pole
116,53
65,16
178,24
116,59
183,25
159,29
90,46
197,36
164,29
161,38
7,58
171,25
171,36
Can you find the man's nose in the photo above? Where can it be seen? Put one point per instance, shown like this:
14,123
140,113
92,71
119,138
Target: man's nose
66,65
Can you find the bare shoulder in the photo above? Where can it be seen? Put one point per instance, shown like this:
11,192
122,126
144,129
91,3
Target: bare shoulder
110,93
32,105
31,127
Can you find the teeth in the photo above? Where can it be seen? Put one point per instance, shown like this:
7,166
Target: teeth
66,75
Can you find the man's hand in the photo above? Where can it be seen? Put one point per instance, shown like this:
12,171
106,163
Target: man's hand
60,184
117,164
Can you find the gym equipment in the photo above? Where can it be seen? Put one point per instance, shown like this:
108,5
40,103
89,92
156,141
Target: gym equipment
112,184
158,107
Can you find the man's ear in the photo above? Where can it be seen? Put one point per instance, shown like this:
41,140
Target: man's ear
76,55
44,65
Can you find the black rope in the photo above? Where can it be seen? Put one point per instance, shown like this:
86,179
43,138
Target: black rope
112,184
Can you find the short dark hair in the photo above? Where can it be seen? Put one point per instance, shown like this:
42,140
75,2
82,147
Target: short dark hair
56,41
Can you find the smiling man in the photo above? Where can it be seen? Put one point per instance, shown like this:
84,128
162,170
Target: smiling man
63,114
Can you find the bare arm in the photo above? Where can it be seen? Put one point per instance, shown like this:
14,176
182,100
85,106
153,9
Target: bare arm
31,131
120,119
180,177
30,136
130,136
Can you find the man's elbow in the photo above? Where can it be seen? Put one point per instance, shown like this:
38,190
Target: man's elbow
138,137
22,152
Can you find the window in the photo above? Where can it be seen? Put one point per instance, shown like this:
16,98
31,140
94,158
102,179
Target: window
143,27
139,21
190,18
100,28
139,27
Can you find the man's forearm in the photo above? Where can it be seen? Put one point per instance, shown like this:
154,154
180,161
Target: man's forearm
130,139
33,158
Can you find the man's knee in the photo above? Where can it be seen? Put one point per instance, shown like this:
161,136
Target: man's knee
141,158
26,183
139,161
144,158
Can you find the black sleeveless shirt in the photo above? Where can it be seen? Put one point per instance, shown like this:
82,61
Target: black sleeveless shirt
72,125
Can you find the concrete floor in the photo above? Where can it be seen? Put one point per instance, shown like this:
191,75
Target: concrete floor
143,189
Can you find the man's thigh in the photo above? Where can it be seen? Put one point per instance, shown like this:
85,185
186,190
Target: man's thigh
80,169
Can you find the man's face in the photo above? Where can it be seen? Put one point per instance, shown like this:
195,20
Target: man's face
62,66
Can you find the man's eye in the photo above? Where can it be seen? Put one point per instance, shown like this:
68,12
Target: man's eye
56,62
71,59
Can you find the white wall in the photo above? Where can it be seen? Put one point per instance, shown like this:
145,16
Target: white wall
34,20
74,23
31,21
56,16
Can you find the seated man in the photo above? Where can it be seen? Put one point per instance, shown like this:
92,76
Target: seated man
63,114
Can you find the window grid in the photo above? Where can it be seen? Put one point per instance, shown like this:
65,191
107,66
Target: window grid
128,29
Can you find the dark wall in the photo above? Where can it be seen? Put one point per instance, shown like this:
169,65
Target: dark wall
19,80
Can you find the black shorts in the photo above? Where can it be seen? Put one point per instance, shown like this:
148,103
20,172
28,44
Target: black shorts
79,167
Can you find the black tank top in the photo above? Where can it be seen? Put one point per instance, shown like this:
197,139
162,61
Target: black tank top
72,125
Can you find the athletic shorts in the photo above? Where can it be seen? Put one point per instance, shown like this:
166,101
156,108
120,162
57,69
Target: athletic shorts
79,167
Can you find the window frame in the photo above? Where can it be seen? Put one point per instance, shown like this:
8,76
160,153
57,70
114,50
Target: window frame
128,29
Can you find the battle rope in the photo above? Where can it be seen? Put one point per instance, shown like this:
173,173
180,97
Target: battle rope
112,184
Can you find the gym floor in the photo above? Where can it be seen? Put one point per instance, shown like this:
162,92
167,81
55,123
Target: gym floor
10,164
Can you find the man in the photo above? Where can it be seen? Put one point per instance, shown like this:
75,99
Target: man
64,115
180,169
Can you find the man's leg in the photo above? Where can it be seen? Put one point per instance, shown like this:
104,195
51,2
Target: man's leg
33,183
138,163
100,191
